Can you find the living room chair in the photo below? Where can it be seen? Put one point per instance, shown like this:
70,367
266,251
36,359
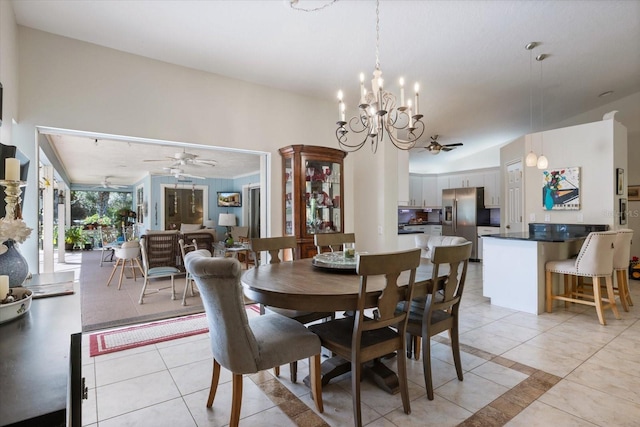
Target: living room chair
360,339
155,272
438,311
595,260
333,241
129,251
621,257
242,345
189,282
273,246
108,237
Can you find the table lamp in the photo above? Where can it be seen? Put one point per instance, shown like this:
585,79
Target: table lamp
227,220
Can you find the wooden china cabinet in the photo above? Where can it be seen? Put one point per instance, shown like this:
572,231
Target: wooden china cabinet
312,193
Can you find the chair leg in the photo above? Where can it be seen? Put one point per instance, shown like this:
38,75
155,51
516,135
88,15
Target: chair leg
426,365
144,288
115,267
598,300
356,373
184,293
455,348
173,289
236,400
276,371
122,267
623,289
403,384
549,295
417,343
215,377
409,345
316,381
293,371
612,298
568,288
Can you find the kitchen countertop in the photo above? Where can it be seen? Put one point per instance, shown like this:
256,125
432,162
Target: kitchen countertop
410,232
535,237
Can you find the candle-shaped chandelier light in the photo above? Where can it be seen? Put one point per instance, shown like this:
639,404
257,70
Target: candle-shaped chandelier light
379,113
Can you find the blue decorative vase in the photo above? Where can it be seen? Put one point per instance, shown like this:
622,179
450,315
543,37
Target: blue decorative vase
548,199
13,264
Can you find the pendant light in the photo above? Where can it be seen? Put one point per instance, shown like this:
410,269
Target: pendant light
542,160
531,159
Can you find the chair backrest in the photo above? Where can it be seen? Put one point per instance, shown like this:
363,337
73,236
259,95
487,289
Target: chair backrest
128,250
232,342
185,248
446,292
622,249
596,254
273,245
143,252
162,249
391,266
107,235
204,240
333,241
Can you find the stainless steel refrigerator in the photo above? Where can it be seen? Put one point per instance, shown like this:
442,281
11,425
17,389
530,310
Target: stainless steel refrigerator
462,211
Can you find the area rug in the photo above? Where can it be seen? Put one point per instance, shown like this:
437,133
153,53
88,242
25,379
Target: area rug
110,341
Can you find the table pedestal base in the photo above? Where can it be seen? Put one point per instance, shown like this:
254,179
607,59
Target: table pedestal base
335,366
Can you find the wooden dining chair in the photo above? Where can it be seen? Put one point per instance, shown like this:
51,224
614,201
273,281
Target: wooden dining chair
275,247
438,310
333,241
242,345
360,339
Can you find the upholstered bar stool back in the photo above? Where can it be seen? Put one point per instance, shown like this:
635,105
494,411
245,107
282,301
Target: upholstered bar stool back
621,256
595,260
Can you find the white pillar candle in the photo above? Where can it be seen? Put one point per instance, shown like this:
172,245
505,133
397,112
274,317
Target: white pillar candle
12,169
401,92
4,287
417,89
340,109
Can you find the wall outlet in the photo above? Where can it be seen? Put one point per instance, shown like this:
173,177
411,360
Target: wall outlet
547,217
532,217
580,217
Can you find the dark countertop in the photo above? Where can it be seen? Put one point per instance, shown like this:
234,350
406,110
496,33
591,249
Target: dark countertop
420,223
533,237
410,232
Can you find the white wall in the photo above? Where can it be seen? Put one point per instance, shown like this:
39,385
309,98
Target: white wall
8,70
65,83
598,148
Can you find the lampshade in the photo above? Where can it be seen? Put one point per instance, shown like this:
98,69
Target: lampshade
542,162
209,223
227,220
531,159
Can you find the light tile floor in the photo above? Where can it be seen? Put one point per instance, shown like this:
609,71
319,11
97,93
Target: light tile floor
561,369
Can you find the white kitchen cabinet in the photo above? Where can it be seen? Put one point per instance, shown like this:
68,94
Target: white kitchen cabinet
415,190
430,191
442,184
492,188
483,231
434,230
466,179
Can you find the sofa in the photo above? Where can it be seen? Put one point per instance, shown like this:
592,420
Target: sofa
426,242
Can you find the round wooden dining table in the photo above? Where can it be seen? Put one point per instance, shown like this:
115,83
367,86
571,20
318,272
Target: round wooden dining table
299,285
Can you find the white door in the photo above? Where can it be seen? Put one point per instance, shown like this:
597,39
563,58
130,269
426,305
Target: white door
515,202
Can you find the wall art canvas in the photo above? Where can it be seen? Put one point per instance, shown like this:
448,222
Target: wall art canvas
561,189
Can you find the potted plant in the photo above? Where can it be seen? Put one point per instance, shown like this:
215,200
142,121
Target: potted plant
74,238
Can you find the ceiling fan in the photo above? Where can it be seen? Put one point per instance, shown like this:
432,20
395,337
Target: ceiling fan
435,147
185,159
179,173
106,184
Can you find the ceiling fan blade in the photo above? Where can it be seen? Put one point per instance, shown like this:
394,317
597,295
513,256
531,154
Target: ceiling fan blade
159,160
457,144
445,148
191,176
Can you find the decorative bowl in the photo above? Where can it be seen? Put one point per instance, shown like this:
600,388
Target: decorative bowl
17,308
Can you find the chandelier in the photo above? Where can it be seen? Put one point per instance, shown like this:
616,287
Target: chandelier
379,114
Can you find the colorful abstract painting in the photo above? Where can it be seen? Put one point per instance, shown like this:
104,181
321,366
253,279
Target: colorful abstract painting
561,189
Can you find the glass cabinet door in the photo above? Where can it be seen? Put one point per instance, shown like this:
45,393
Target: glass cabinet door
322,196
288,197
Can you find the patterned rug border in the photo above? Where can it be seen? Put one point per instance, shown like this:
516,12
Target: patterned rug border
99,341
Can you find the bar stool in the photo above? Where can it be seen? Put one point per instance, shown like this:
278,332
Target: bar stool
621,256
129,251
595,260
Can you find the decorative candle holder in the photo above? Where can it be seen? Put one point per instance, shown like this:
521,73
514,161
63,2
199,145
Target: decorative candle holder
13,198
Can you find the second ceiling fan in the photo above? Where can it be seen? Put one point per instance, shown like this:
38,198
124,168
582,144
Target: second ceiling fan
435,147
185,159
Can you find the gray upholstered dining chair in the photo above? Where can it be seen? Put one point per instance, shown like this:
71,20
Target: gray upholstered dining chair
243,345
621,256
438,311
360,339
333,241
274,246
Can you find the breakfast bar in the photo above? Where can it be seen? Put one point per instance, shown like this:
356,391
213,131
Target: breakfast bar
513,268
